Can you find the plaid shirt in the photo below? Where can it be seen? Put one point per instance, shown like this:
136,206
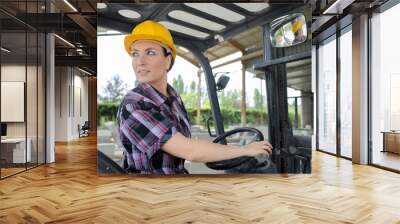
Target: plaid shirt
147,119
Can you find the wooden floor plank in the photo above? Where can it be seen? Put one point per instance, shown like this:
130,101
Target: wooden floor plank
71,191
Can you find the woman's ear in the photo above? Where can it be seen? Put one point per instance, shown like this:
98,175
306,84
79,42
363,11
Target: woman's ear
169,62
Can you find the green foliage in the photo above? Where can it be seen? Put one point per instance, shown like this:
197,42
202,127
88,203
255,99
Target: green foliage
193,87
189,99
258,99
229,103
178,84
114,90
291,111
230,116
107,111
229,99
206,104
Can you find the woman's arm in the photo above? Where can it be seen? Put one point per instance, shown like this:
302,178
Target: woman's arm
203,151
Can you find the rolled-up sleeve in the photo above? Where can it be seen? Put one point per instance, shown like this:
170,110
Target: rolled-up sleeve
146,129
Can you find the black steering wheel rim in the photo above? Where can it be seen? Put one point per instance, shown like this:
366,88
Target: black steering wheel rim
231,163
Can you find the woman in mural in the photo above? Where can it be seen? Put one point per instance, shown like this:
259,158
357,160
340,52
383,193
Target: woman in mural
153,123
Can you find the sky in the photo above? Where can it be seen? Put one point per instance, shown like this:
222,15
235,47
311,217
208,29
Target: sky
112,59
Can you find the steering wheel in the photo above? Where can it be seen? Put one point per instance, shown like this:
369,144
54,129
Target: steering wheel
231,163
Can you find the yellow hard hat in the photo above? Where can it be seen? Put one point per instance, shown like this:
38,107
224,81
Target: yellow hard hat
296,26
150,30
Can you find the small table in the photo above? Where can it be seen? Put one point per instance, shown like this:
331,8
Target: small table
13,150
391,141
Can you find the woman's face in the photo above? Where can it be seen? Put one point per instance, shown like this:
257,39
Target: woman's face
149,62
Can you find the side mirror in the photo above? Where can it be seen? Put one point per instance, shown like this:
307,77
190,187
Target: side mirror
288,30
222,82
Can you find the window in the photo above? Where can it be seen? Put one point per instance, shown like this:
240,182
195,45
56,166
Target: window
385,87
346,93
22,75
327,95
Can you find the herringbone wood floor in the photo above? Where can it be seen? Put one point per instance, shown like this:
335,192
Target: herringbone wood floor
71,191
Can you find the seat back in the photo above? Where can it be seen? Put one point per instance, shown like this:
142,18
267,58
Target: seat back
85,126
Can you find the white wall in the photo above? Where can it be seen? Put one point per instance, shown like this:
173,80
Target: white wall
33,125
79,115
61,103
69,85
12,73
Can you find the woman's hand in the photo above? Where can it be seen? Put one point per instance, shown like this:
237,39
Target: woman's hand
203,151
258,148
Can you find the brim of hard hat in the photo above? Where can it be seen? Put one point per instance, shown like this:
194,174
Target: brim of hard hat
129,39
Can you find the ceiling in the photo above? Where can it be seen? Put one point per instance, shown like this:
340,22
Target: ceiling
201,24
239,29
328,16
73,22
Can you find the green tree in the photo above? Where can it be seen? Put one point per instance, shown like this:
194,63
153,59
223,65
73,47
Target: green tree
193,87
258,99
178,84
206,104
189,97
114,90
229,99
190,100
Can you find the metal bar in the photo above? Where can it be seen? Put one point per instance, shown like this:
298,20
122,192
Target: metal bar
16,19
243,98
237,9
59,78
273,115
303,96
37,95
75,61
283,60
46,71
69,100
45,94
369,90
160,12
243,58
84,24
329,29
317,97
73,90
25,92
338,122
387,5
296,119
192,26
91,6
385,168
282,102
267,16
337,7
0,93
205,15
115,25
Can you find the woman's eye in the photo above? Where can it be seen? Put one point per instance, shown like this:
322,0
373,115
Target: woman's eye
151,53
134,54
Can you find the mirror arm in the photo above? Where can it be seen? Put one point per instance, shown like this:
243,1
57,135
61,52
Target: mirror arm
209,129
